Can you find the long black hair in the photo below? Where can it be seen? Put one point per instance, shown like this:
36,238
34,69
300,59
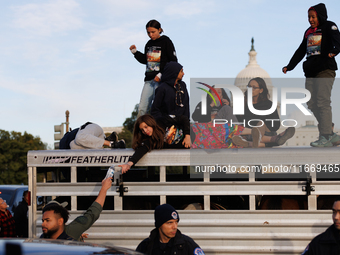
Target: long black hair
264,96
224,96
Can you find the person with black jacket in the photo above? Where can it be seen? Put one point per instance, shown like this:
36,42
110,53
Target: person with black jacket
327,242
165,132
171,98
321,43
20,216
166,238
158,51
212,106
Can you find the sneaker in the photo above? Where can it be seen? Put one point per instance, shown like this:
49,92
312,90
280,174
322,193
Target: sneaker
240,141
256,135
289,133
336,143
322,142
121,144
118,145
113,137
334,139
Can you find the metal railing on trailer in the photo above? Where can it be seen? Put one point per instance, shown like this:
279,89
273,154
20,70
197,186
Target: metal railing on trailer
231,231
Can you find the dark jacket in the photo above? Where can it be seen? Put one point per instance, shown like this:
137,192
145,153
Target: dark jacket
171,98
179,245
62,236
317,52
156,54
21,219
180,122
197,114
264,105
327,242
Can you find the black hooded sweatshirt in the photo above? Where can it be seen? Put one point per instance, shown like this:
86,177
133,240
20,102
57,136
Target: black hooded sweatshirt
156,54
317,44
171,98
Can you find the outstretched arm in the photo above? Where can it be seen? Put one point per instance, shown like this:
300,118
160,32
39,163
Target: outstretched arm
85,221
297,57
106,184
139,153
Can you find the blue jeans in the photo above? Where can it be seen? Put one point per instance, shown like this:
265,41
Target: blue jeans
148,94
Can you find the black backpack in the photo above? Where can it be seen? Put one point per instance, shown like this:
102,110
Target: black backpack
67,138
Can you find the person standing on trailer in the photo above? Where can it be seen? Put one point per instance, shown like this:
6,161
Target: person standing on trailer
158,51
321,43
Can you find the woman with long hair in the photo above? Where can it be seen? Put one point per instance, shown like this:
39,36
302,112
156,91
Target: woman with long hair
149,134
264,131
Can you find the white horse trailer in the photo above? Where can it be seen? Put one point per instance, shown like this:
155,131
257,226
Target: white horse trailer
203,180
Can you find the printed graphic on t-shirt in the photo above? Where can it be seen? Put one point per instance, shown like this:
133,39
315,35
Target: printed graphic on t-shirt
153,57
173,135
314,44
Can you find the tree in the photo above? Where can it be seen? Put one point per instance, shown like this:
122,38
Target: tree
129,123
127,136
13,155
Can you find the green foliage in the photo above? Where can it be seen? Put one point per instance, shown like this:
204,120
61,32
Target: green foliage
129,123
13,155
127,136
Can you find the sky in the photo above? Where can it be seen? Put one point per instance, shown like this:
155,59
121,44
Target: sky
59,55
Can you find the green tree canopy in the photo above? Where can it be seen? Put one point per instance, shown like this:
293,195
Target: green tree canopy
129,123
13,155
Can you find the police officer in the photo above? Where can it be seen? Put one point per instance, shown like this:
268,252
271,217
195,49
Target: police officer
166,238
327,242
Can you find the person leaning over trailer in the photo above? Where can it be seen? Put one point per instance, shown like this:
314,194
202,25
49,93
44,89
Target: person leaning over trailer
89,136
55,217
166,238
165,132
327,242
